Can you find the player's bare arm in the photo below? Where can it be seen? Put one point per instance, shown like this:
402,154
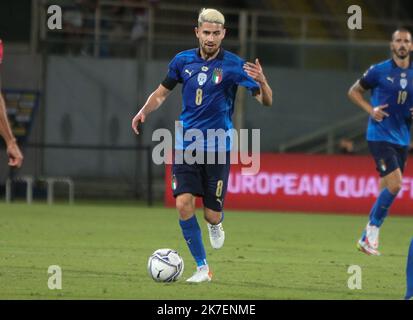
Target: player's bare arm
154,101
255,71
13,151
356,95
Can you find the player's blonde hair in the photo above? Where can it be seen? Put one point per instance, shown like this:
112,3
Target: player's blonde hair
211,16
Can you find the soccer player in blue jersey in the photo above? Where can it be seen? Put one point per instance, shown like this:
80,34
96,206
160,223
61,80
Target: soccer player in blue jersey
388,131
210,76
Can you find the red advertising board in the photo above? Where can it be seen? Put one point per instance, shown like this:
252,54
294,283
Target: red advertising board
309,183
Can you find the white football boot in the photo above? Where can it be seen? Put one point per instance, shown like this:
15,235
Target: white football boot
369,242
202,274
216,235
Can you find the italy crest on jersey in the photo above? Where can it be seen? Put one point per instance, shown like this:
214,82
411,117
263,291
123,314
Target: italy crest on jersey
202,78
403,83
217,76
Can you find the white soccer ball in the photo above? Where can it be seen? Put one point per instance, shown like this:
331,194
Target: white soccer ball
165,265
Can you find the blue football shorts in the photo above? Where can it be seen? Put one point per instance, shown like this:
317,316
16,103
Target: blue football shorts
388,156
208,181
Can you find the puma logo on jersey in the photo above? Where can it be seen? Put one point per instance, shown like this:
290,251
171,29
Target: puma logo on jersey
189,72
390,79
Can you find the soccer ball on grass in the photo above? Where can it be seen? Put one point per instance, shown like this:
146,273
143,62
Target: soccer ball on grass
165,265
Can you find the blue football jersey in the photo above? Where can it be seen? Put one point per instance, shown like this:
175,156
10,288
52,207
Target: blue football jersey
390,85
208,93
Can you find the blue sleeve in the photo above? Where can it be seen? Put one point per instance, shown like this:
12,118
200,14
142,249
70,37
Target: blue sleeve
174,74
246,81
174,69
370,78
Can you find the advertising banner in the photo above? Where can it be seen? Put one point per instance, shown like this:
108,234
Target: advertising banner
309,183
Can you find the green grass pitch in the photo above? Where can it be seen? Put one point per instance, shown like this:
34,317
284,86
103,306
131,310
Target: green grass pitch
103,251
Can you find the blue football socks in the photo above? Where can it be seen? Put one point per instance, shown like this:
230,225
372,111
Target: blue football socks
381,207
193,237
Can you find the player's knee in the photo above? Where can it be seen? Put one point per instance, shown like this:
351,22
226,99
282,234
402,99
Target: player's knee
213,217
185,207
395,187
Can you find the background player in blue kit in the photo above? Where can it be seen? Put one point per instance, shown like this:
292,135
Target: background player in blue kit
210,76
388,132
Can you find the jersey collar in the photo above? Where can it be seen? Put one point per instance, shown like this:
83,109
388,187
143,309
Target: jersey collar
394,65
220,55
